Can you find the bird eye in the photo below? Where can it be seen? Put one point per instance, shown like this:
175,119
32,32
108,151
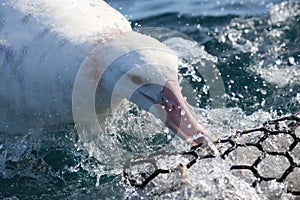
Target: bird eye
137,79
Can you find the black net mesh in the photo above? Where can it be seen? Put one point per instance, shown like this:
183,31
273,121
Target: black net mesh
270,152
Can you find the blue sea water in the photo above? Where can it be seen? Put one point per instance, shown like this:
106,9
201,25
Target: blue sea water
228,29
254,45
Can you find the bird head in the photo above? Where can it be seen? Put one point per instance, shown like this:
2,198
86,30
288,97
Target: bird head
145,71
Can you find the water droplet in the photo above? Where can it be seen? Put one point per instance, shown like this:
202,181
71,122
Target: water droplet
292,60
163,107
169,137
264,92
182,112
166,130
189,125
278,62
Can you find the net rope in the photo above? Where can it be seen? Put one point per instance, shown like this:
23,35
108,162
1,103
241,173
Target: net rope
274,141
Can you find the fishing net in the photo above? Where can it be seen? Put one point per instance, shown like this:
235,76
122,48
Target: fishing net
260,156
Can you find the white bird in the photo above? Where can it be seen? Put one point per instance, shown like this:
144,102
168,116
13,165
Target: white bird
48,48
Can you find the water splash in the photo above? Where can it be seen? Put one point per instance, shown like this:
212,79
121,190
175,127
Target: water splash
272,48
53,163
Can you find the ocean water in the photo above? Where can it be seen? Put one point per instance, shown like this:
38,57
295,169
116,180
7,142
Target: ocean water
252,47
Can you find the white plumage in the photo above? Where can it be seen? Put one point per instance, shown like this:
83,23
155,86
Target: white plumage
43,46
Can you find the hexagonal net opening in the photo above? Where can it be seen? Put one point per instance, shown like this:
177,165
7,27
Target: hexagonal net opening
268,153
279,147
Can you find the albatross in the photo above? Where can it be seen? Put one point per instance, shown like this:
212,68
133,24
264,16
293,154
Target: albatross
48,48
